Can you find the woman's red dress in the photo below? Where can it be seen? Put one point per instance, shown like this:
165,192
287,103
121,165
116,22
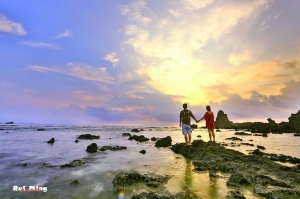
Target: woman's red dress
209,117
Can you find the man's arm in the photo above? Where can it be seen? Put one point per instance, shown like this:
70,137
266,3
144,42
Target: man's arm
180,120
193,117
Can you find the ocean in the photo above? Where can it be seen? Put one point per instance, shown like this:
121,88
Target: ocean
26,159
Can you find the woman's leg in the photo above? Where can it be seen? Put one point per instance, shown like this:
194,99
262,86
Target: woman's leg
213,134
209,133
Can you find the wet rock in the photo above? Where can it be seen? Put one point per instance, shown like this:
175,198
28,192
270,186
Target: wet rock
135,130
126,134
247,144
238,179
194,126
51,141
41,129
199,136
88,137
153,139
139,138
269,179
74,182
74,163
143,151
124,179
113,148
164,142
271,121
265,135
25,164
294,121
92,148
235,194
234,138
9,123
242,133
261,147
76,141
213,174
164,194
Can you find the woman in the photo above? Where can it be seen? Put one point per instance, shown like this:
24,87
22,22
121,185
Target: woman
210,124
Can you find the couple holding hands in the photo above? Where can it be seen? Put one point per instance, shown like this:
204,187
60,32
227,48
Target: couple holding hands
185,123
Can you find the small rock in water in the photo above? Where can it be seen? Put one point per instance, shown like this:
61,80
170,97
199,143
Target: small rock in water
92,148
76,141
143,151
25,164
51,141
74,182
260,147
41,129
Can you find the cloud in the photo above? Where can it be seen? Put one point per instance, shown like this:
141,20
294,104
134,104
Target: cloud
10,26
67,33
112,58
82,71
238,58
41,45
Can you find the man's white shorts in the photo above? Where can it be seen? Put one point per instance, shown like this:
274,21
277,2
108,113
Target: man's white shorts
186,129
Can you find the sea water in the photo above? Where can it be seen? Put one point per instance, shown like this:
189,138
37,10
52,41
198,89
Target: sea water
27,160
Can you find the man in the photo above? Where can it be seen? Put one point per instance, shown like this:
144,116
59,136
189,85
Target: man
184,116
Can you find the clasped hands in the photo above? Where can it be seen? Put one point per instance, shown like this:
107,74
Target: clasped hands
198,120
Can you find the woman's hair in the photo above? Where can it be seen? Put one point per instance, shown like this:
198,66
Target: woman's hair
208,108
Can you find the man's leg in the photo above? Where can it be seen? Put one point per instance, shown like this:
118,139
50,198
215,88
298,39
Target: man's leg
186,139
190,139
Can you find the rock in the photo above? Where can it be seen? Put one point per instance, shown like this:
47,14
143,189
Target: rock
163,194
294,121
222,121
271,121
113,148
265,135
139,138
199,136
74,182
51,141
237,179
7,132
74,163
247,144
218,130
76,141
88,137
25,164
242,133
153,139
164,142
128,178
141,129
297,134
126,134
213,174
9,123
135,130
234,139
41,129
261,147
234,194
143,151
269,179
92,148
194,126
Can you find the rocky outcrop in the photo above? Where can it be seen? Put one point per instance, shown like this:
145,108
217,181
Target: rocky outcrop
74,163
113,148
164,194
294,121
139,138
92,148
124,179
268,178
235,194
222,121
143,151
242,133
164,142
135,130
88,137
271,121
51,141
41,129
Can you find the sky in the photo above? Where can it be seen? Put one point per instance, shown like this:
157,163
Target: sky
136,62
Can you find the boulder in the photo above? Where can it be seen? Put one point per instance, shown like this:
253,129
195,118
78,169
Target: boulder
164,142
74,182
76,141
113,148
41,129
235,194
9,123
74,163
139,138
92,148
163,194
126,134
88,137
51,141
271,121
128,178
135,130
143,151
242,133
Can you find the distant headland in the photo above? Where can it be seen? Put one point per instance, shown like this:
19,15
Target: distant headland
292,126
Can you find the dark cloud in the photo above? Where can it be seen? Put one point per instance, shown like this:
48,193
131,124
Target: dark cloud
289,65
